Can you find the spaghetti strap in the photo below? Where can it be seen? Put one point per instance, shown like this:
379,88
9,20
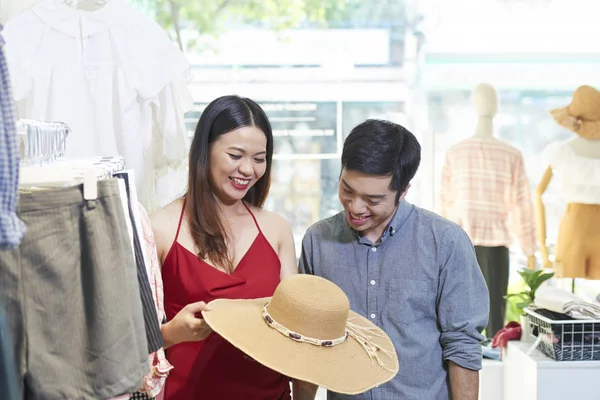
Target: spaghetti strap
253,217
180,219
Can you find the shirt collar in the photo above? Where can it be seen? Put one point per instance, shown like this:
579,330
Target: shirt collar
67,19
400,216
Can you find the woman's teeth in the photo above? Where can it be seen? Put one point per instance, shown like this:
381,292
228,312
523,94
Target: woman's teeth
238,181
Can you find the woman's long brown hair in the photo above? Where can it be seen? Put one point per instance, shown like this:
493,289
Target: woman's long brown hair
205,220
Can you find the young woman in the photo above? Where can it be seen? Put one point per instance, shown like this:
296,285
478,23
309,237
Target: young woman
217,242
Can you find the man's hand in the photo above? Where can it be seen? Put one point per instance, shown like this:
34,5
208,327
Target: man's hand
464,383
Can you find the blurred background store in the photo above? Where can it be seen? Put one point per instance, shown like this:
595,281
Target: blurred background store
319,67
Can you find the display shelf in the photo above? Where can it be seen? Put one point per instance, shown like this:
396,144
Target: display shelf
535,376
491,380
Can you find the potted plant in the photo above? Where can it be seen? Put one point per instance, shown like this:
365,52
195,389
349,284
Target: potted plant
532,280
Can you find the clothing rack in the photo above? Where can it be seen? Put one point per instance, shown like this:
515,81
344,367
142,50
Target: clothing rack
69,172
65,249
41,142
43,145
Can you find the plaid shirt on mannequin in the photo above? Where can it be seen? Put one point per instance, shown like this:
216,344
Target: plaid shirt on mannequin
485,190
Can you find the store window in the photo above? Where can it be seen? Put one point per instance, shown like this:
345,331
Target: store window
355,112
304,191
303,128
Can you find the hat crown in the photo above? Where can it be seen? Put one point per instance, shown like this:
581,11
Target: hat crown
585,104
310,306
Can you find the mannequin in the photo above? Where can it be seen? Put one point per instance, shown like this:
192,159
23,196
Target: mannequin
576,163
486,191
485,102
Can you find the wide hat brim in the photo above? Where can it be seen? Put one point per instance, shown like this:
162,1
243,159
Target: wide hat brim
585,129
345,368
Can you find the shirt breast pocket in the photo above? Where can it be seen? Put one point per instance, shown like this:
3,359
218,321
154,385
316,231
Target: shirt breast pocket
408,300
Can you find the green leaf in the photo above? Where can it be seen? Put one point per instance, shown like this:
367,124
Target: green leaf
533,279
541,279
523,304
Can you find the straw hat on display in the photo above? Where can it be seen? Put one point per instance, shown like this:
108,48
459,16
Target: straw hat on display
582,116
307,331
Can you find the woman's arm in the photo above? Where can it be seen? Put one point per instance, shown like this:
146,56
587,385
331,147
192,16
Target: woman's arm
541,216
185,326
286,248
164,230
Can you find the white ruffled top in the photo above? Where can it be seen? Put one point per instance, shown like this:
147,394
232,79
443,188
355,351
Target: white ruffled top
578,176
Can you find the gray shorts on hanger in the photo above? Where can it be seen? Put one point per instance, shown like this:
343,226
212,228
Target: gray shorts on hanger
72,297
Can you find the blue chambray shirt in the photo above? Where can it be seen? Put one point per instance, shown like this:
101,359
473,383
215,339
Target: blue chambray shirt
12,228
421,284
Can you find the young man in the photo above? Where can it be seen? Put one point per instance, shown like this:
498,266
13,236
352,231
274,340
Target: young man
410,271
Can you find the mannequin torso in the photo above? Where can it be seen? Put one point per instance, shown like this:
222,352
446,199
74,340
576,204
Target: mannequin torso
582,147
485,102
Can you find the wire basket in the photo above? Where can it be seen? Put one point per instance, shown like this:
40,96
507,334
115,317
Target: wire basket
564,340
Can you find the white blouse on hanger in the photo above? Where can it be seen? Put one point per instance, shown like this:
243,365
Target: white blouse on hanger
115,78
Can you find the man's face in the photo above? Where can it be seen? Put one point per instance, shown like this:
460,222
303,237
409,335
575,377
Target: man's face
368,201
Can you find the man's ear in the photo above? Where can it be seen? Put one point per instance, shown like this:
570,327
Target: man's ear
403,195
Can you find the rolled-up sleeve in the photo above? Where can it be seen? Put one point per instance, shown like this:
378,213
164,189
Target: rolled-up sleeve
463,301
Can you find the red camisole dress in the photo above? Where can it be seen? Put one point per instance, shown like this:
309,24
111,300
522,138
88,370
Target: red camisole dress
213,369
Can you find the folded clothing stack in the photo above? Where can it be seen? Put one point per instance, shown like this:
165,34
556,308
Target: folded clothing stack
561,301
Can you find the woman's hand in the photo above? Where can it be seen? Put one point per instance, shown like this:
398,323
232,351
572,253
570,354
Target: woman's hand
185,326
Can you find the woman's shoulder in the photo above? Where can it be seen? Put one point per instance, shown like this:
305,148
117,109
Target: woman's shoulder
269,217
165,222
272,224
166,214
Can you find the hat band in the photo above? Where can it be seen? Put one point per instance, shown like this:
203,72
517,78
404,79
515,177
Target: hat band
359,333
298,337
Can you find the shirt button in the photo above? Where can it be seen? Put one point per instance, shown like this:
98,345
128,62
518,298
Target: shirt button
372,316
372,282
373,248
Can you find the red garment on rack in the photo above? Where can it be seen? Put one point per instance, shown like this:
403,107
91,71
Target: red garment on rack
214,369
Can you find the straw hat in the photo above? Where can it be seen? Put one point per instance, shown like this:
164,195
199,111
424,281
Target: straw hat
306,331
582,116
